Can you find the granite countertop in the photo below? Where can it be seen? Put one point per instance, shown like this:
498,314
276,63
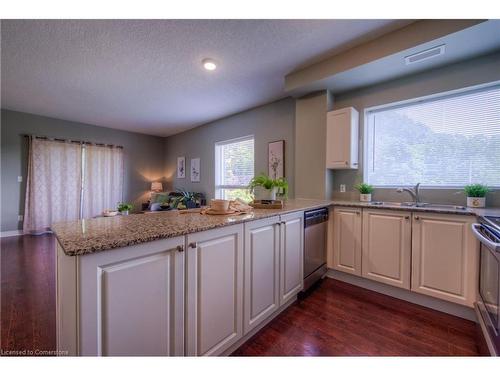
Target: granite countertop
93,235
104,233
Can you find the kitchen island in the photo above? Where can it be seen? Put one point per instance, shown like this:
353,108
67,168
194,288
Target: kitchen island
189,284
176,283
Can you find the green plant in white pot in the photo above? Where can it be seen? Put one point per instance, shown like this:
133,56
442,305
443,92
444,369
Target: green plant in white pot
266,188
476,195
365,192
124,208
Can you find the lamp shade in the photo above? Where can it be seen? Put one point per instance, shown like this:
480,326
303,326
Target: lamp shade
156,186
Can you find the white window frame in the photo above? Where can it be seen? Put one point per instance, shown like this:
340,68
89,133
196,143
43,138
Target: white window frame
427,98
218,160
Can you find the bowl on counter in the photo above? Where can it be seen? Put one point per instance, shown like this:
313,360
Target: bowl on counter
109,213
219,205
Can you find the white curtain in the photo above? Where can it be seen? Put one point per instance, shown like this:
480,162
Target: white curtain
102,179
53,188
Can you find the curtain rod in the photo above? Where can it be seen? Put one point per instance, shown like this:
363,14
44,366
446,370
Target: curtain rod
71,140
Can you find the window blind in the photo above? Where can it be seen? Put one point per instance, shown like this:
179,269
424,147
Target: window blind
448,141
234,165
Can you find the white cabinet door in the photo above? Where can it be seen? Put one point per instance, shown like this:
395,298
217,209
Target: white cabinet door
445,257
347,240
262,254
342,139
132,300
386,246
214,298
291,255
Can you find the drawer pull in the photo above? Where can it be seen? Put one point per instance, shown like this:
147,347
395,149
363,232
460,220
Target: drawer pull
193,245
417,217
180,248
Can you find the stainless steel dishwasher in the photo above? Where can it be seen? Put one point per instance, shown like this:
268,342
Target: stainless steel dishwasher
315,232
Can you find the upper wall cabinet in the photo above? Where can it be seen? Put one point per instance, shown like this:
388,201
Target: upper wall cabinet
342,127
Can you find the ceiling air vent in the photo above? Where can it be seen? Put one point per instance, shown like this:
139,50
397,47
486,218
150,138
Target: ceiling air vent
425,55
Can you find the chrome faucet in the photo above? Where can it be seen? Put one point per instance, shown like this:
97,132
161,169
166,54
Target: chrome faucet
414,192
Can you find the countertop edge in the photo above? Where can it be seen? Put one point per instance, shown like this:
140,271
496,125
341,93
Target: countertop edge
117,245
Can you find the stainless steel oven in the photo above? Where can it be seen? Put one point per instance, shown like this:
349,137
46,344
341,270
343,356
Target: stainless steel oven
487,230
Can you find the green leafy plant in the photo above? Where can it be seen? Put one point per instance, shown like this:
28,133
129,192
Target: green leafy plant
268,183
124,207
185,198
364,188
476,190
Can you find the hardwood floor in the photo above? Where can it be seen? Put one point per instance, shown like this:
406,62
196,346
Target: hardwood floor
342,319
334,319
28,295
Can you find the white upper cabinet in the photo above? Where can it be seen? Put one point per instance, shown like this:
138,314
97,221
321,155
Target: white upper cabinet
445,257
342,129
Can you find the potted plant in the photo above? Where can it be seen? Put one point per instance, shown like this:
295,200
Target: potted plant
186,199
124,208
266,188
476,195
365,192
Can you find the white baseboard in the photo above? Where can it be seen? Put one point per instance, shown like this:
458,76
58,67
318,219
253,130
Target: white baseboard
11,233
406,295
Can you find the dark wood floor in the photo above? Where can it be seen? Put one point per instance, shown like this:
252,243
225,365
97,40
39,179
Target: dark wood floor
341,319
334,319
28,294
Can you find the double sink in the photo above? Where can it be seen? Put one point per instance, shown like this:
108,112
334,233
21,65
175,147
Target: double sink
418,205
415,194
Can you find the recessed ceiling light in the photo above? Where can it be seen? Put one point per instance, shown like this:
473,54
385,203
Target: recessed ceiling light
209,64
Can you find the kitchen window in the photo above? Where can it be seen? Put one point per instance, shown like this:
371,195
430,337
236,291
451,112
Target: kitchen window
234,168
447,140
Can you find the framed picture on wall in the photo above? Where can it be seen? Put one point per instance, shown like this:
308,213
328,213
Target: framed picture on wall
181,167
195,170
276,159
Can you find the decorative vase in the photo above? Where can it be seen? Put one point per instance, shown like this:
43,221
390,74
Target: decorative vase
476,202
191,204
365,197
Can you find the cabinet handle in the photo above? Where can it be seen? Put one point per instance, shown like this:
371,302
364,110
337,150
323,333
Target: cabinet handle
407,217
193,245
346,163
417,217
180,248
358,213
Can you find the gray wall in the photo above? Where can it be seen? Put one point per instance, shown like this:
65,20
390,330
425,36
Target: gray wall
311,176
144,157
267,123
469,73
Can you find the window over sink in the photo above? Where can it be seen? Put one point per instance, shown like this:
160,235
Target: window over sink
234,168
446,140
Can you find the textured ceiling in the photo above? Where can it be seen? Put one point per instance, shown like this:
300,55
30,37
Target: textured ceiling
146,75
